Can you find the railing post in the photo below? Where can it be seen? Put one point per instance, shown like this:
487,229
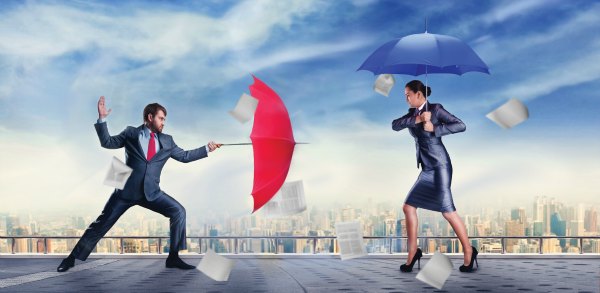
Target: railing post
391,241
159,245
45,245
122,246
276,242
315,245
503,244
541,245
199,245
580,245
235,244
12,245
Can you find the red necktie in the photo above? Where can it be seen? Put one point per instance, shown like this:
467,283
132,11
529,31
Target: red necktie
151,147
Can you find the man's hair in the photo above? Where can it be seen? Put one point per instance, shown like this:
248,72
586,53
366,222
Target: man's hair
153,109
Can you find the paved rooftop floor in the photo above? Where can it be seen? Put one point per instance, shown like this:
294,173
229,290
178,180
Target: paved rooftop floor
296,275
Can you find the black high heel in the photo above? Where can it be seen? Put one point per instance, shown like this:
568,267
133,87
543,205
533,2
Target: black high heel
469,268
408,268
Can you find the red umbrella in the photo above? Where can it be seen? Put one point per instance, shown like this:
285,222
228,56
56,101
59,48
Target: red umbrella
272,142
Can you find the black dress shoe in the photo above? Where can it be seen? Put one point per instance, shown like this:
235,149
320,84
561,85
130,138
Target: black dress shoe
469,268
176,262
66,264
406,268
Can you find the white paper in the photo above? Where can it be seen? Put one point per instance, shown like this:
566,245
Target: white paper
383,84
271,209
245,108
350,240
118,173
292,198
436,271
510,114
215,266
289,200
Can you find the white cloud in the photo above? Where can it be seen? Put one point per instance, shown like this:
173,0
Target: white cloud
546,72
286,55
564,74
190,44
350,160
52,30
509,9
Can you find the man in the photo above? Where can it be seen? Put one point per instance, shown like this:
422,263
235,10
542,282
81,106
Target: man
147,150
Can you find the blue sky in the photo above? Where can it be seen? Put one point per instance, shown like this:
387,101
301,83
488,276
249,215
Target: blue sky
57,58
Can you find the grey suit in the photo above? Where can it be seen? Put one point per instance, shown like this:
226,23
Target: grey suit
430,149
142,187
146,174
432,189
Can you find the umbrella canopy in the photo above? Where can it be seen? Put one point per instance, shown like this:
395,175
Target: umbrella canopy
272,142
422,54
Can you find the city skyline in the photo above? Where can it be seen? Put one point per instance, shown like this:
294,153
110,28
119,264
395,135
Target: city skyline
544,217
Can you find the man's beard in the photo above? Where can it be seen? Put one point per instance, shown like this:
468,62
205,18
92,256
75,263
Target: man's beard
155,129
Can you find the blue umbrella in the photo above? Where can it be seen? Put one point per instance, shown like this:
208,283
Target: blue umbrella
423,54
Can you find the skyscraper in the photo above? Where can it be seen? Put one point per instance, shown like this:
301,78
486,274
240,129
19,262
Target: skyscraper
12,222
518,215
559,228
513,228
591,221
400,231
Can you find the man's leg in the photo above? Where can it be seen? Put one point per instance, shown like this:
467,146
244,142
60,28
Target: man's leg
114,208
171,208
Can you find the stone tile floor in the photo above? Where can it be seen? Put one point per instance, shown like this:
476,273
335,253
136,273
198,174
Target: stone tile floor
297,275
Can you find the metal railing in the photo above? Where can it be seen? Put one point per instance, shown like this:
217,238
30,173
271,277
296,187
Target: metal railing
388,239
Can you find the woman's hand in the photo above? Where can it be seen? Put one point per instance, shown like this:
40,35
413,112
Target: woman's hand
426,116
428,126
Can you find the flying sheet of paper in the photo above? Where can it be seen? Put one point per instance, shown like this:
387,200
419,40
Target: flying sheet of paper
289,200
292,198
215,266
271,209
245,108
436,271
510,114
118,173
350,240
383,84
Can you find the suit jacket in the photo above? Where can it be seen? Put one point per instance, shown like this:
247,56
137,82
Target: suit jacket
145,177
431,152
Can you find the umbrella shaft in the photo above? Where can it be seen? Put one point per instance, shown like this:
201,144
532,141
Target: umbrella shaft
249,143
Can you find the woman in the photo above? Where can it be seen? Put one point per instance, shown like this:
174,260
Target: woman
427,123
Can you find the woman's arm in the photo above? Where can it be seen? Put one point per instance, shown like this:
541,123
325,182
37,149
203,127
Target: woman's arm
447,123
407,120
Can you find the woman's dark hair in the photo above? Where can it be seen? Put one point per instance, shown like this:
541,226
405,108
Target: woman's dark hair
418,86
153,109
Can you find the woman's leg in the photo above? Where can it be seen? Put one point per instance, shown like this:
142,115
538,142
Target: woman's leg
410,214
459,229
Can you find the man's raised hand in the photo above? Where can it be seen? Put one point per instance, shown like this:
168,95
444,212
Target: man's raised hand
102,113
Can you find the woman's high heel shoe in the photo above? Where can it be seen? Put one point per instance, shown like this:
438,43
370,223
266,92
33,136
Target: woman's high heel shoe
408,268
469,268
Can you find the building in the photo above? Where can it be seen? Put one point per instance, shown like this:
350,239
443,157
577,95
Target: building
559,228
513,228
